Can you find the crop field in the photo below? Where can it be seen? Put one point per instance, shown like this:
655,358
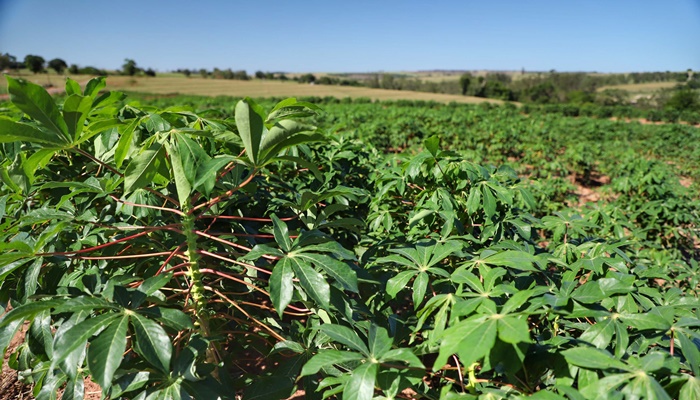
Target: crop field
199,247
263,88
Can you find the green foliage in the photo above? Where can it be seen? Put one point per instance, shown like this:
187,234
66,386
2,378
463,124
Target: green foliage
367,251
685,99
129,68
57,65
34,63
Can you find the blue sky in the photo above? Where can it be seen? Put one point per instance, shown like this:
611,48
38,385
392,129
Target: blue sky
360,35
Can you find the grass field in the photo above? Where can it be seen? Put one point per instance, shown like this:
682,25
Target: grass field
261,88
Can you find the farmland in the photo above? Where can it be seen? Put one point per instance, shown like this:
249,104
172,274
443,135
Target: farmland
177,84
188,246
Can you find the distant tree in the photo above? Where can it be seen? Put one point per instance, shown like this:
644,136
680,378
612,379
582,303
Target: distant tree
7,61
34,63
74,69
283,77
129,67
580,97
58,65
307,78
150,72
542,93
373,81
464,82
203,72
684,99
269,75
186,72
89,70
241,75
259,75
227,74
388,82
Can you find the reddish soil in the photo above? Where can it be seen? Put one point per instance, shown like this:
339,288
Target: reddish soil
588,192
10,387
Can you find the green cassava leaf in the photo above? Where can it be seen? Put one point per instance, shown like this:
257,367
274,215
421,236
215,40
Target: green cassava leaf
346,336
11,131
36,102
281,285
77,336
75,110
326,358
144,167
361,383
152,342
106,352
250,127
432,144
313,283
593,358
471,339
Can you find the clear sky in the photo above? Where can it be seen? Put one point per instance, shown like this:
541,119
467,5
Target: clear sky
358,35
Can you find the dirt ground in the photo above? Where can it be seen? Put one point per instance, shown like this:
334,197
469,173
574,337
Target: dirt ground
10,387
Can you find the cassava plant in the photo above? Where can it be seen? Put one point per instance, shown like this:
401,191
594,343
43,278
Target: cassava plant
110,253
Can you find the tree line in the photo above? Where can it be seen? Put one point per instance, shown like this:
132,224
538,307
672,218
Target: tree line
37,64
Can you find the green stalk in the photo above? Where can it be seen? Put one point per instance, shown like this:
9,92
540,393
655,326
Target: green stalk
193,272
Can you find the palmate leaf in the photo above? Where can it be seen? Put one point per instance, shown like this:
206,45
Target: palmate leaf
281,234
512,258
281,285
291,108
593,358
346,336
361,383
75,110
11,131
281,131
205,177
170,317
472,339
152,342
72,339
512,329
271,153
398,282
250,127
106,352
336,269
691,389
379,341
600,334
182,184
192,155
143,168
314,284
36,102
326,358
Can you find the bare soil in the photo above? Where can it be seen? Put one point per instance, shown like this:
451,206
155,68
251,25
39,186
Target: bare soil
10,387
590,191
